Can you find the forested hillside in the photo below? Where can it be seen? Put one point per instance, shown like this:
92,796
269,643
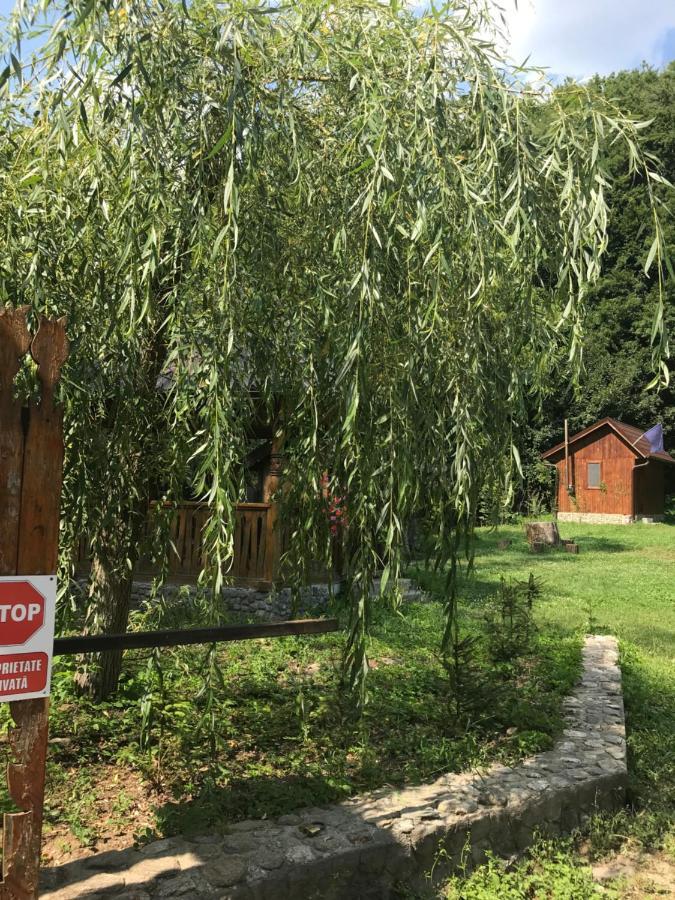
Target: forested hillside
618,352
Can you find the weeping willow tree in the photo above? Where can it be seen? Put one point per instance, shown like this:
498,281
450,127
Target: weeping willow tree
362,217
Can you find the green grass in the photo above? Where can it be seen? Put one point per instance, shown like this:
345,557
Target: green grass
545,873
623,583
275,730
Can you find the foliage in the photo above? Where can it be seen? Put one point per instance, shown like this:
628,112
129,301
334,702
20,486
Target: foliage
546,872
356,215
624,574
466,680
286,735
510,619
617,353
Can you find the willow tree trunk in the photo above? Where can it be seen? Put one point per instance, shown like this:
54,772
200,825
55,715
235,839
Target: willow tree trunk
115,552
110,601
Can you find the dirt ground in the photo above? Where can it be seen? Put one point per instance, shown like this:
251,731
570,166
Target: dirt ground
636,874
99,820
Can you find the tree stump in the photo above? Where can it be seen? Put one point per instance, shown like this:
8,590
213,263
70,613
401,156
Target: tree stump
545,533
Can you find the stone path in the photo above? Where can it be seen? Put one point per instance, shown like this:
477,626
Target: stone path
361,848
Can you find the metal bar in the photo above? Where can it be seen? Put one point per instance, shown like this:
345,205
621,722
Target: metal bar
136,640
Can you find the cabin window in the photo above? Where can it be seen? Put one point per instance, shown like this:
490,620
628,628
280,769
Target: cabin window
593,474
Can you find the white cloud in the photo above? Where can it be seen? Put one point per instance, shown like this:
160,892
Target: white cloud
584,37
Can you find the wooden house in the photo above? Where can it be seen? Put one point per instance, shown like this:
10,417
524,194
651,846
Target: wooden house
611,473
259,534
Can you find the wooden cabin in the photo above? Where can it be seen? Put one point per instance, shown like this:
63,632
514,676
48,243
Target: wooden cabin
611,473
257,535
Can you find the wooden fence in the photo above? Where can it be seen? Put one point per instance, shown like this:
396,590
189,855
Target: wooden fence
258,546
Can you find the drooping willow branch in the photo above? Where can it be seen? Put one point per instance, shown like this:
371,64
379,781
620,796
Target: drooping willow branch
364,212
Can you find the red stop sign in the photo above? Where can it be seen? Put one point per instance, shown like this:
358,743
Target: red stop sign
22,612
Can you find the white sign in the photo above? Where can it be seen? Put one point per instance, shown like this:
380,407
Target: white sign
27,608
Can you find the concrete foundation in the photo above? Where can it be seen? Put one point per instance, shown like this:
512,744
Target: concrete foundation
595,518
607,518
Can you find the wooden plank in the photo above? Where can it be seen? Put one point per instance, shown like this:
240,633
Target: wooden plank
196,551
135,640
14,344
19,878
259,544
177,559
236,562
37,554
199,562
26,783
43,458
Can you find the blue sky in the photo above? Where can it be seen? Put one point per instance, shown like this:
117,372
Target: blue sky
582,37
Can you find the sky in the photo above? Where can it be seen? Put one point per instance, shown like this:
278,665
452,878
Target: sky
581,37
587,37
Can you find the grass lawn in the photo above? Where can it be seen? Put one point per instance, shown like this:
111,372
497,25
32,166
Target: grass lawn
623,583
195,740
274,731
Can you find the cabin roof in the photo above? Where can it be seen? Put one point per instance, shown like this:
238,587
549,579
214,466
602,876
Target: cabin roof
632,436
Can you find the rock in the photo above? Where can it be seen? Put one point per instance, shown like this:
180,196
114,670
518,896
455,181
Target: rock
226,871
270,859
299,854
312,829
240,843
179,886
133,895
492,798
159,848
289,820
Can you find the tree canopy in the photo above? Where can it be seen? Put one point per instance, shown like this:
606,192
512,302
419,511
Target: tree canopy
618,352
360,218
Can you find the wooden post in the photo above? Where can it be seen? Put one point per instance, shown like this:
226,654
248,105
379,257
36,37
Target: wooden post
31,465
568,483
271,484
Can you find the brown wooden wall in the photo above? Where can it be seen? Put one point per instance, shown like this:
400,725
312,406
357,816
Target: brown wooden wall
616,459
650,489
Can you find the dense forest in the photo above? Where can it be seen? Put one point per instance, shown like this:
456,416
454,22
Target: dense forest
618,362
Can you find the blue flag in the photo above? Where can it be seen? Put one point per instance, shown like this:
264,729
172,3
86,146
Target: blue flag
655,438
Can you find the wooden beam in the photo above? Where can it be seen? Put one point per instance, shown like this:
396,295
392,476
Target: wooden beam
136,640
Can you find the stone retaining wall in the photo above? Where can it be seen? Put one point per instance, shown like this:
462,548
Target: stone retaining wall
364,847
313,600
262,604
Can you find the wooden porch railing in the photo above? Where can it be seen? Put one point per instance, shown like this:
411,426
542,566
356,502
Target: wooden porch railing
258,546
255,545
